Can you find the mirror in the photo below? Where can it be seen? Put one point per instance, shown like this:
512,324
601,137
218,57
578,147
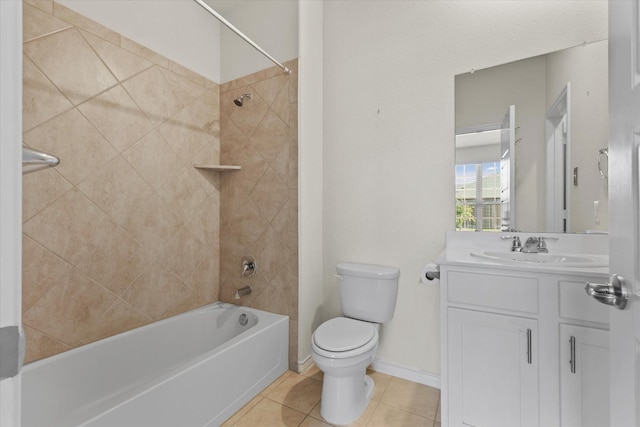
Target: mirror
533,134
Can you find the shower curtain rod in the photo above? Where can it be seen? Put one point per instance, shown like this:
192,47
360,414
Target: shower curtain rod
241,34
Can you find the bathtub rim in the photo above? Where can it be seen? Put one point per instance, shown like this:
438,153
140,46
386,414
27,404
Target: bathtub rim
273,317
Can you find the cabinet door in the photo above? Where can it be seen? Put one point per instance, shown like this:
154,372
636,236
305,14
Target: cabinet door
493,370
584,377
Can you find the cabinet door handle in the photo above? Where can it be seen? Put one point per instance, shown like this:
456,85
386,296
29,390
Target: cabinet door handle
529,349
572,351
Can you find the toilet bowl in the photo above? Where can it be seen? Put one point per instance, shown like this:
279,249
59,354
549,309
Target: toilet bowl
343,347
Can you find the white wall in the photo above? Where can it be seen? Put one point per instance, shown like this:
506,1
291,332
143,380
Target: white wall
180,30
272,24
310,176
388,171
184,32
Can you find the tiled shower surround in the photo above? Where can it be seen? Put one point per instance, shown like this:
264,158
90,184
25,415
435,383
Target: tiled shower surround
259,204
124,231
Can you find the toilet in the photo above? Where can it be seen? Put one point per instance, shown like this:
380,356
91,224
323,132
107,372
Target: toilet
343,347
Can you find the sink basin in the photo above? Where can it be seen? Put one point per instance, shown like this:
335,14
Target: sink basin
558,260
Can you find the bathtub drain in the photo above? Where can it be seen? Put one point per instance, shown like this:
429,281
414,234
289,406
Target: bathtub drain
243,319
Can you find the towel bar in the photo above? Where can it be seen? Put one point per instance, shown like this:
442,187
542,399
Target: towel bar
33,160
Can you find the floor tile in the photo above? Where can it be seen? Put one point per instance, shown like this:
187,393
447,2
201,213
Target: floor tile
381,383
312,422
314,372
242,411
298,392
387,415
360,422
365,418
315,412
412,397
271,414
277,382
294,400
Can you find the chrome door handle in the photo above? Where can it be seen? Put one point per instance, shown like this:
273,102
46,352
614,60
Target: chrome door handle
613,293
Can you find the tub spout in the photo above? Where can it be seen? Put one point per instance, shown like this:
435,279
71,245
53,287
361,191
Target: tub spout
242,292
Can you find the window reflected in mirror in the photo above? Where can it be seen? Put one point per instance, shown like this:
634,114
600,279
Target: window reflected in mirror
478,197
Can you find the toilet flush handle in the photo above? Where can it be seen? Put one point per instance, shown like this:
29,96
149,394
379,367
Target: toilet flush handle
338,276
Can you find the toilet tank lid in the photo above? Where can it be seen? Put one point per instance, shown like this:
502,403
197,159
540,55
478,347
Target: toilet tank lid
368,270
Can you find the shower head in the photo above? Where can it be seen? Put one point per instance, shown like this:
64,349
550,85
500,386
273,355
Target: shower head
240,100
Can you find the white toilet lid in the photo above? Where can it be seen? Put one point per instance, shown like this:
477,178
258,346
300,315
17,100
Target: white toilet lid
343,334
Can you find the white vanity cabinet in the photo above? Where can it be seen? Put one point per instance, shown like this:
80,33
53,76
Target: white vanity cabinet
493,367
584,358
584,376
522,348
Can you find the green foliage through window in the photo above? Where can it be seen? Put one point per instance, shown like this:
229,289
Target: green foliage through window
478,197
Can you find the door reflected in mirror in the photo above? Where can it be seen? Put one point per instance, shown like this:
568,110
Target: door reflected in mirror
538,170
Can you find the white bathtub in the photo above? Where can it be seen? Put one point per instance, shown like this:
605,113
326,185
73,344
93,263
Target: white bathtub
194,369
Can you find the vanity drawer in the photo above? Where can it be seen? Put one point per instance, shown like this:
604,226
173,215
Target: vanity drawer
576,304
496,291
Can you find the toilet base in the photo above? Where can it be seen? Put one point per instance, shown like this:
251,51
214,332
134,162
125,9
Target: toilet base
344,399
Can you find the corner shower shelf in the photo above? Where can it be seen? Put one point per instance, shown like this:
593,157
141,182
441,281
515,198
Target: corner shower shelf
217,168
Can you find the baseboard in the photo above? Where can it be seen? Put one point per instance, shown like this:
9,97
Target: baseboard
410,374
304,365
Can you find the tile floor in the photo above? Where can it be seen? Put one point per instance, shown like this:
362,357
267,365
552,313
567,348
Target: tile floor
294,400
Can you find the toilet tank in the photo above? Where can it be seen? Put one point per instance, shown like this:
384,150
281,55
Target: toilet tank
368,292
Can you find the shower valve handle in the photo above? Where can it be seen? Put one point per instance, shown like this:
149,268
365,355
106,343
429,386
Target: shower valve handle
249,266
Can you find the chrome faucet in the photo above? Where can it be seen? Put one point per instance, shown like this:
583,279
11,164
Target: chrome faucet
535,245
516,245
240,292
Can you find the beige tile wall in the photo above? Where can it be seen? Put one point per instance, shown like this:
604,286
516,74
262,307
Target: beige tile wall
124,231
259,204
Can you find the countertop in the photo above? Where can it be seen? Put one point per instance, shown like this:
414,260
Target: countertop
460,245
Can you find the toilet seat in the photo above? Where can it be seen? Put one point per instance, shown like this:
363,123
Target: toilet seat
343,337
